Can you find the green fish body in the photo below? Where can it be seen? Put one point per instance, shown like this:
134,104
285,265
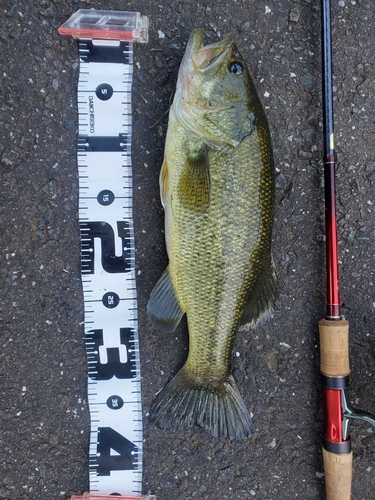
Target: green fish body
217,189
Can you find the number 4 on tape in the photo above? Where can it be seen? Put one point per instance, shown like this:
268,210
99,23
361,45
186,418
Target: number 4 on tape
108,274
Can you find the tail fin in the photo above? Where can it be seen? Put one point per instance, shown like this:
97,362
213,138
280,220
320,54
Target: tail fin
216,407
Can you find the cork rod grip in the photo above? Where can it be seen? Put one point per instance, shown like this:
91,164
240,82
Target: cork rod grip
338,475
334,348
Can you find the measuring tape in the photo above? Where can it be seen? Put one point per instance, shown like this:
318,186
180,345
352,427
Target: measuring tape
107,239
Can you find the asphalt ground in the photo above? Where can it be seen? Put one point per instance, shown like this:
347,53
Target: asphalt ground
44,428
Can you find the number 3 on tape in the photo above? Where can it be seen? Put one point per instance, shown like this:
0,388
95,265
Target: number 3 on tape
106,220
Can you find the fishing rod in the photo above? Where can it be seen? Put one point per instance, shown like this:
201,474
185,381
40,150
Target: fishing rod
334,329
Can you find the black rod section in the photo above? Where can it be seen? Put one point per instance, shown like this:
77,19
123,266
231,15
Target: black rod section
327,80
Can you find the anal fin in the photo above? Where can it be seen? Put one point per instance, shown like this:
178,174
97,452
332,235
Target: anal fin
259,306
163,308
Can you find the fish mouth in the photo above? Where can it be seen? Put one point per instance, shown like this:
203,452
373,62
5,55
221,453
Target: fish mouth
206,58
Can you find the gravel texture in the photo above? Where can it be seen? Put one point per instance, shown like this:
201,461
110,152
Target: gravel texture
43,406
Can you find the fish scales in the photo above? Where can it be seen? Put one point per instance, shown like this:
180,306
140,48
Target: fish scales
217,188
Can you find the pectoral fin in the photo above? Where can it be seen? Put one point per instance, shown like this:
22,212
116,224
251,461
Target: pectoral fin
163,308
194,184
164,182
259,306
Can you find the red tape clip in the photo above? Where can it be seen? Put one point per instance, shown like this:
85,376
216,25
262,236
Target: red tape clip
87,496
106,25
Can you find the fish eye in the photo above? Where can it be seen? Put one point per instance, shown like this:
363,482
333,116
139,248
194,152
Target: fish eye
236,67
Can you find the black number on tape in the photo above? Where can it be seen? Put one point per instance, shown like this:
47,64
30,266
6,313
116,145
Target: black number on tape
115,402
104,91
114,452
110,262
105,197
113,365
110,300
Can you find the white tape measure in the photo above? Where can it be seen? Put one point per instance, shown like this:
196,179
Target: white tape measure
108,270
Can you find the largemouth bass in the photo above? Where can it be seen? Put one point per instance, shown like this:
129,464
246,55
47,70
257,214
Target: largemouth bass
217,189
